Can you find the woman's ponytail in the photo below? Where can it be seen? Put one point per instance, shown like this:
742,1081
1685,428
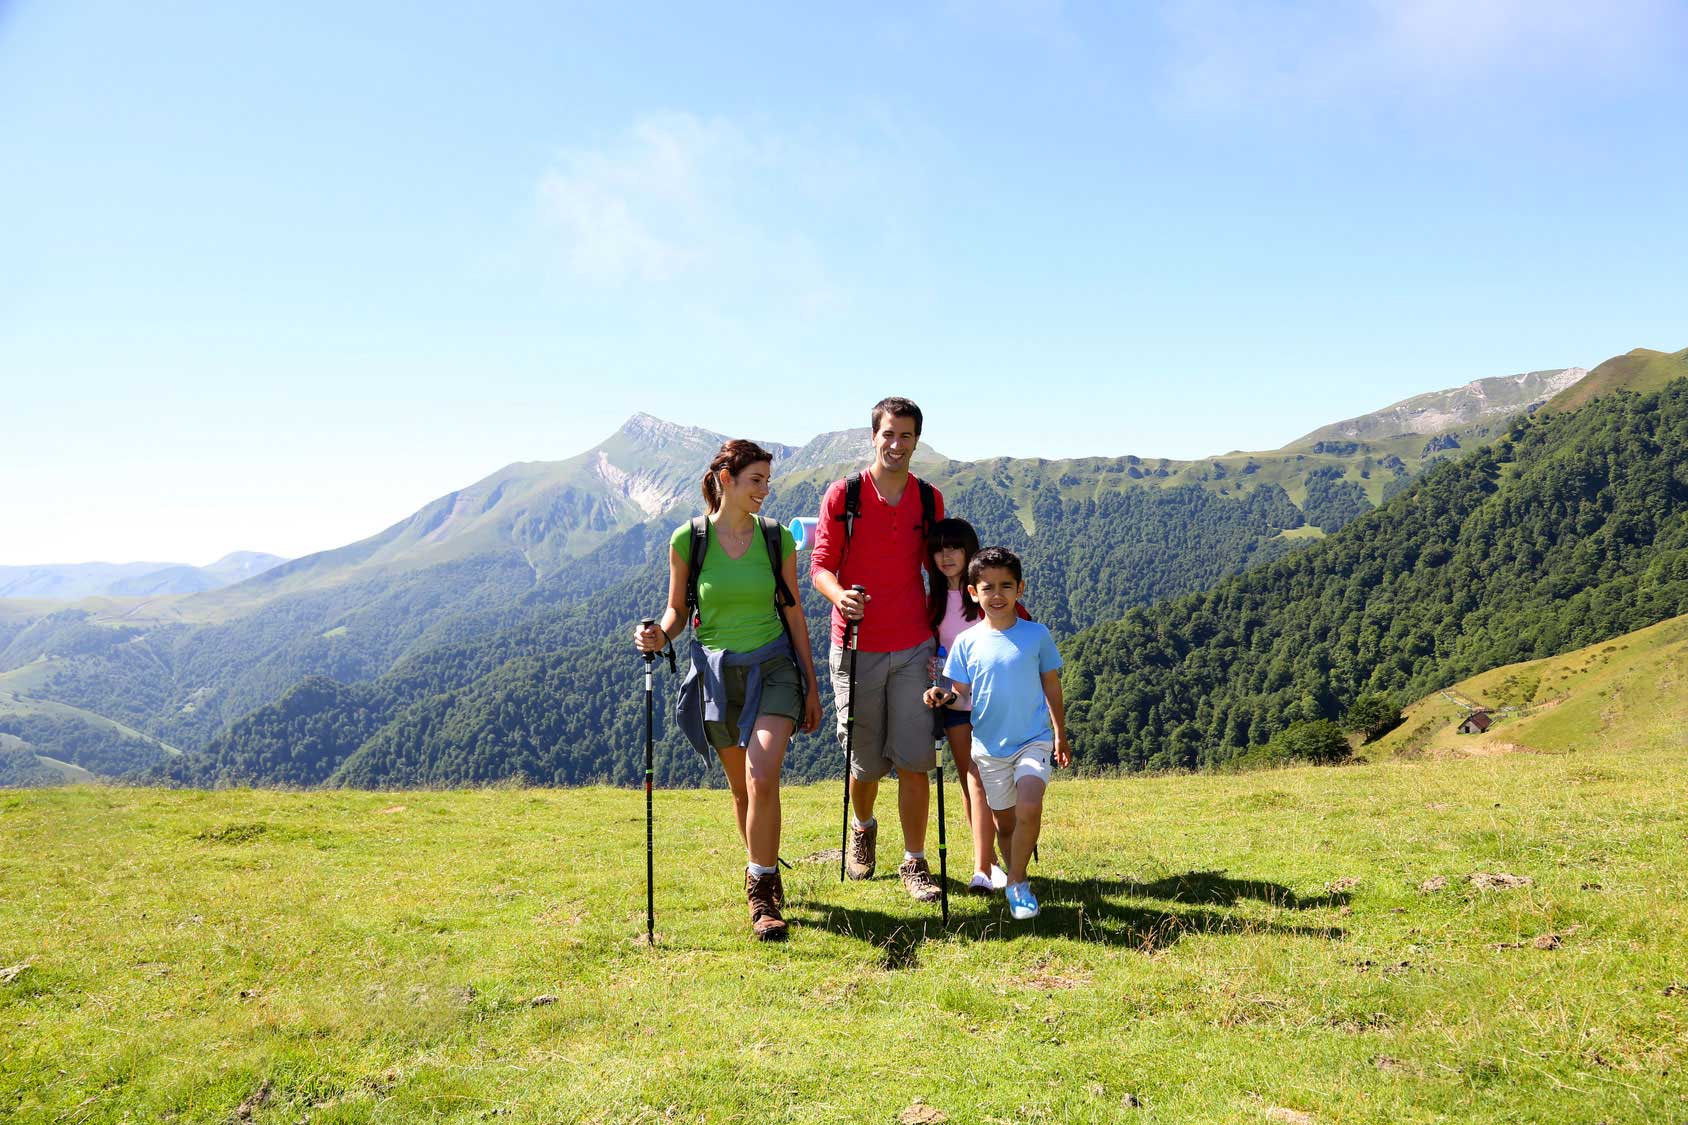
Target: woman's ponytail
733,456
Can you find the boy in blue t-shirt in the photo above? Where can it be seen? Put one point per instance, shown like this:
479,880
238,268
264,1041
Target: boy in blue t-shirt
1013,672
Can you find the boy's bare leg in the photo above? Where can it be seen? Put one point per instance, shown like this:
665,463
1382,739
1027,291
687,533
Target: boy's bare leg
762,763
732,764
1005,830
1028,821
914,798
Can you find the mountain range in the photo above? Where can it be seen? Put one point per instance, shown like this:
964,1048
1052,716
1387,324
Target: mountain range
482,637
73,581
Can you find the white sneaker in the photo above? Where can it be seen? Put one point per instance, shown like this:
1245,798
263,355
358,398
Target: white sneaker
999,878
1022,904
981,884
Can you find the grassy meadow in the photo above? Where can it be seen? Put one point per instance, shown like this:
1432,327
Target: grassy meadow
1213,948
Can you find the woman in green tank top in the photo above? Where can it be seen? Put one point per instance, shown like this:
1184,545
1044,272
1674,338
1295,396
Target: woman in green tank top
764,699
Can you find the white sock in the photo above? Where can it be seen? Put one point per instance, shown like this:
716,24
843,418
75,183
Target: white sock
908,855
758,869
860,823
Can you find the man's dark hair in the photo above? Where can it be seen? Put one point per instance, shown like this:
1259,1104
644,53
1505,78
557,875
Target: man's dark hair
999,557
897,408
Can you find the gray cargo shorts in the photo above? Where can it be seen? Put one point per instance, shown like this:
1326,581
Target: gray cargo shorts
893,725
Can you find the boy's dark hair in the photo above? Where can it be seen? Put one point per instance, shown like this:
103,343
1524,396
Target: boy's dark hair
897,408
1001,558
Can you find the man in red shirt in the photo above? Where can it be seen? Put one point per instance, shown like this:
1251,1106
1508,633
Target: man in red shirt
885,554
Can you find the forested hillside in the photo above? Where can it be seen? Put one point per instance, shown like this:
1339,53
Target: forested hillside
1572,528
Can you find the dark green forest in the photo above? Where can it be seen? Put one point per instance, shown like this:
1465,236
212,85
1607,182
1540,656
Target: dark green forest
1569,529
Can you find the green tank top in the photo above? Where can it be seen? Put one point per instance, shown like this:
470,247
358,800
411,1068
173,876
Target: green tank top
735,596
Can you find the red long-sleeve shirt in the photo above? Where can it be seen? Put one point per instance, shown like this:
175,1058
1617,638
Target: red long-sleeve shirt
887,557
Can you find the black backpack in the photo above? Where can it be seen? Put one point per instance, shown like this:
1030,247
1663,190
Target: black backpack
782,593
853,509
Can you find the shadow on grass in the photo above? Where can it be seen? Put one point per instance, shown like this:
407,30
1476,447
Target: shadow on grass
1083,910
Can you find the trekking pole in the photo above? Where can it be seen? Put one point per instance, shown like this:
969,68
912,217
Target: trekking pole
938,759
849,738
650,833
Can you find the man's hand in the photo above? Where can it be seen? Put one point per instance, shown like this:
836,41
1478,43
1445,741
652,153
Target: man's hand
1063,750
853,604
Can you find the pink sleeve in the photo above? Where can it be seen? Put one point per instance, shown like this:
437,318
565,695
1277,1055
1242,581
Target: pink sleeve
829,532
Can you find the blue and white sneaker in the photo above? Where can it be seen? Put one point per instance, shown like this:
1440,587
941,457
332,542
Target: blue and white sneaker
1022,904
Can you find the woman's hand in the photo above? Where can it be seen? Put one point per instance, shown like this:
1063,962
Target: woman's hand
811,711
648,638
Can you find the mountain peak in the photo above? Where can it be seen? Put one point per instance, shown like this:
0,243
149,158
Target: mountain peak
1437,411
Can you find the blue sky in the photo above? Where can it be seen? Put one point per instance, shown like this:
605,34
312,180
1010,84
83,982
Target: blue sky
273,276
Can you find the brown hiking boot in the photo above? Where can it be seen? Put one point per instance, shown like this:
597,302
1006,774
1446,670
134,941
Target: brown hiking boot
864,851
766,894
918,881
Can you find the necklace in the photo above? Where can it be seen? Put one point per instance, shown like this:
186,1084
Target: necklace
733,537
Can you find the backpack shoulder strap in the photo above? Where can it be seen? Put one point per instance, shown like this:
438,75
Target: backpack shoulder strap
699,547
852,509
771,538
928,506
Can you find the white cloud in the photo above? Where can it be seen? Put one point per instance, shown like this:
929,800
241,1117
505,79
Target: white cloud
714,210
1229,55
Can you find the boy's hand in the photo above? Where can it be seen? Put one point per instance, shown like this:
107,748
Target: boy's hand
938,697
1063,750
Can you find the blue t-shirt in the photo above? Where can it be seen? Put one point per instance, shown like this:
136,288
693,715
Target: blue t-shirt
1005,670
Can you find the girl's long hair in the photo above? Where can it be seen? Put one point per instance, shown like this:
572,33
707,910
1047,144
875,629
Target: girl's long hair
949,533
734,456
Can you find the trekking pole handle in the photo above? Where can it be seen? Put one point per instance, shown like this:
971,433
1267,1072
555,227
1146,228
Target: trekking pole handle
648,623
850,638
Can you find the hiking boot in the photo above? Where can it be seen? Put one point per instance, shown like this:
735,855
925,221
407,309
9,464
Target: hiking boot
766,894
864,851
918,881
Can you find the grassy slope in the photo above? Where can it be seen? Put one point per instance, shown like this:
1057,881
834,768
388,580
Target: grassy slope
13,704
1631,690
374,956
1641,371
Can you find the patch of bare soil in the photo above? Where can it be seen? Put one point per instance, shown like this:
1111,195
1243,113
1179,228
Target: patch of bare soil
1496,749
1497,880
919,1113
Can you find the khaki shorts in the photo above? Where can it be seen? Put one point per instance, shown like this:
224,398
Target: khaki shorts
1002,775
893,724
782,694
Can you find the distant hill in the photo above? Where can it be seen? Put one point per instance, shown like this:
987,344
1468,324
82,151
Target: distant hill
1437,411
1639,372
1572,527
73,581
1629,691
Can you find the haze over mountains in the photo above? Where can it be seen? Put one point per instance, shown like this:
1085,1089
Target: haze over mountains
142,579
482,636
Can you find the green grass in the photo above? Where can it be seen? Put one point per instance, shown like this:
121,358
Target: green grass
376,956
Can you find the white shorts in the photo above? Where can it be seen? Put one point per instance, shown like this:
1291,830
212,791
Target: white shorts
1002,775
